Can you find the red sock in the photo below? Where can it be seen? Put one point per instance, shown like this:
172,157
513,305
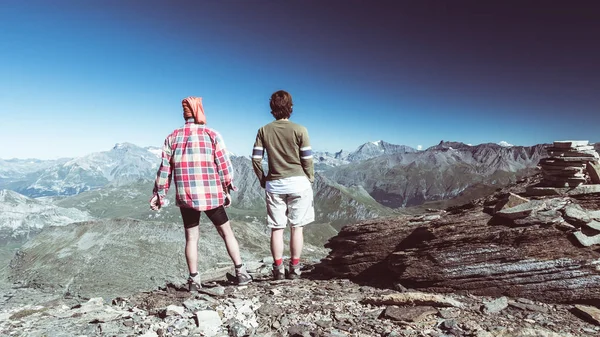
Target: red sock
295,261
279,262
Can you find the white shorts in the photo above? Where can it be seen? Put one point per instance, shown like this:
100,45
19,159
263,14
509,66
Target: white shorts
296,209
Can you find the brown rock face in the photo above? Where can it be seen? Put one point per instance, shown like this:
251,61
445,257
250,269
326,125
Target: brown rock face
467,250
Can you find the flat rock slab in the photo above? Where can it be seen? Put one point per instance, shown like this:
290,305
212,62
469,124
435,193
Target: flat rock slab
593,225
510,201
550,191
522,210
570,143
577,148
584,189
538,191
409,314
590,313
576,215
528,306
593,170
560,162
585,240
495,306
414,298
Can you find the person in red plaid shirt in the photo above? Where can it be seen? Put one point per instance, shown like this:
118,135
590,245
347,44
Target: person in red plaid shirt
195,156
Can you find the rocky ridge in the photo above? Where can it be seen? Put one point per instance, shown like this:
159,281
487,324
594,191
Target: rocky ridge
307,307
438,173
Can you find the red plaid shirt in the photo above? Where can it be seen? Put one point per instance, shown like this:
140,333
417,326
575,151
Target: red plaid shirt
197,159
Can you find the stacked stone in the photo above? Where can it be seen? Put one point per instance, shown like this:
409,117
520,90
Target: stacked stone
568,162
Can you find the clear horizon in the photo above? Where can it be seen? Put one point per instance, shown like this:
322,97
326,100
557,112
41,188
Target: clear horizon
79,77
248,155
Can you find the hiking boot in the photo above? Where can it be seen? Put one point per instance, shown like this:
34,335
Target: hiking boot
278,272
194,283
294,272
242,275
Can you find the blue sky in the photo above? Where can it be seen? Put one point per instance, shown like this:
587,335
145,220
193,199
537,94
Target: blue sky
79,76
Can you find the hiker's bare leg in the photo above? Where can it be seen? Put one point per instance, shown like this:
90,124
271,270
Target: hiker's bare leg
191,248
296,242
277,243
231,243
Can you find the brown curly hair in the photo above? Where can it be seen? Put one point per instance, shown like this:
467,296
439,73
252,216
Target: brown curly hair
281,104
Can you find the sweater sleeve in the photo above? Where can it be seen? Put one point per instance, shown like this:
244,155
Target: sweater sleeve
258,152
306,157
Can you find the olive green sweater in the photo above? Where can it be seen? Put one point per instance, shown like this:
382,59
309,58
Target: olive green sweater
288,151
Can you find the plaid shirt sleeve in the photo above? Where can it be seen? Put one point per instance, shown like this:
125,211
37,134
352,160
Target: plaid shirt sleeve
163,176
223,163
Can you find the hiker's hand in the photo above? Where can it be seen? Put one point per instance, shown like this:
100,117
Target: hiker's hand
155,203
227,202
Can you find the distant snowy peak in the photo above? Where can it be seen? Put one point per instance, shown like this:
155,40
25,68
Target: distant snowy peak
377,148
505,144
365,151
155,150
20,216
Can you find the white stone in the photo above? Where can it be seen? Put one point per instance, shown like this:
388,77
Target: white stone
173,310
414,298
209,322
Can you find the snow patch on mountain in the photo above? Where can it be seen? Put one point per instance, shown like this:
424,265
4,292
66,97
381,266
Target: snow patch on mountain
20,216
155,150
505,144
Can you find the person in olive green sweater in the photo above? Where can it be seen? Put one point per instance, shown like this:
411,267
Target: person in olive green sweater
288,184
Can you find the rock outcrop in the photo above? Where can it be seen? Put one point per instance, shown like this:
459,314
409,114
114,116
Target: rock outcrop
534,250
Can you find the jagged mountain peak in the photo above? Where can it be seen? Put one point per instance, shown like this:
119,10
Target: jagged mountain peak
125,146
447,145
377,148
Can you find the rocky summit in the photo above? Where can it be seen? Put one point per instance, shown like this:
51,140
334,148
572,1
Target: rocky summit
311,306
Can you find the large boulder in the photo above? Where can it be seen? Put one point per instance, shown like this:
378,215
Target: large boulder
536,256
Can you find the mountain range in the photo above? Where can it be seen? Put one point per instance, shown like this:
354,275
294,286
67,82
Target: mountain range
377,179
126,163
440,172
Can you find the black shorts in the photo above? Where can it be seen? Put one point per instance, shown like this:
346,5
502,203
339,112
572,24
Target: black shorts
191,217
